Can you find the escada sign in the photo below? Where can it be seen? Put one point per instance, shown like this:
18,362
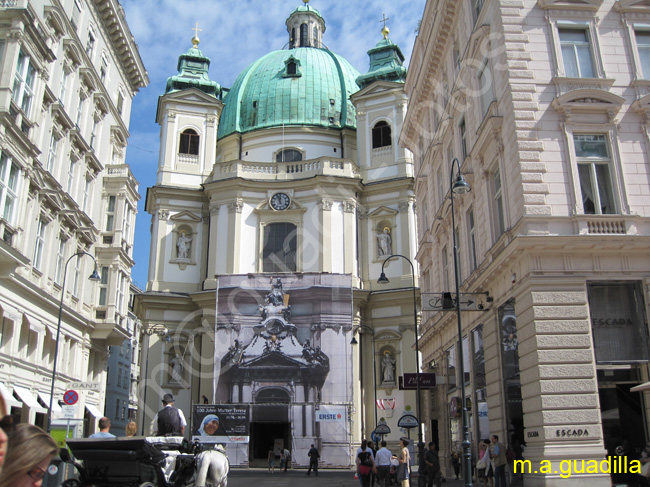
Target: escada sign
612,322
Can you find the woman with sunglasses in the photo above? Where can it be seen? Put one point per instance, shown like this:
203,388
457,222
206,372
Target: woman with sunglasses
28,456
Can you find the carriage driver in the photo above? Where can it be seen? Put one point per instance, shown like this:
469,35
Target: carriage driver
169,421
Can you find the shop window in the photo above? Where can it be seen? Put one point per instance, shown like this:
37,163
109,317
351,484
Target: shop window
592,155
280,245
381,135
189,143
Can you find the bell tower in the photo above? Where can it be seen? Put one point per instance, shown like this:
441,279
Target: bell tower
306,27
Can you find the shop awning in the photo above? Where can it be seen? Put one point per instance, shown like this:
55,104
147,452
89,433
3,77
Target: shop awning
640,388
94,411
9,398
45,399
29,400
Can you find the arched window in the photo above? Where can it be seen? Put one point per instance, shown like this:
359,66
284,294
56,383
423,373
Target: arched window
288,155
381,135
315,38
292,68
189,142
292,41
304,42
279,252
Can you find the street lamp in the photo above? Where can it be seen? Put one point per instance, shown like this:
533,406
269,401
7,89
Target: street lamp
460,186
364,328
384,280
93,277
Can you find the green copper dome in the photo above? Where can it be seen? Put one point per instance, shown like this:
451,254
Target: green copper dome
193,73
301,86
305,9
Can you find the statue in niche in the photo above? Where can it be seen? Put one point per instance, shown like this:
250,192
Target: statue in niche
384,242
388,368
183,245
177,368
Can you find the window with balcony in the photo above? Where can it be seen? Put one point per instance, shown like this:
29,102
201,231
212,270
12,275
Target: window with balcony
381,135
288,155
577,53
594,162
9,176
189,143
120,293
280,245
23,89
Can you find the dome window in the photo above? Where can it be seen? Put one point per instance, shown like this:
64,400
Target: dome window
292,68
288,155
304,33
381,135
189,143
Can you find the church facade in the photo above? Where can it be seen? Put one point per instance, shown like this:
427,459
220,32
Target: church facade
277,202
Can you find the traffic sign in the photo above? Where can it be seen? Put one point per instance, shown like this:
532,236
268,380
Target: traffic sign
70,397
69,411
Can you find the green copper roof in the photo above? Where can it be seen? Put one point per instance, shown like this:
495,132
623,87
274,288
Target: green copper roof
270,94
305,9
386,60
193,73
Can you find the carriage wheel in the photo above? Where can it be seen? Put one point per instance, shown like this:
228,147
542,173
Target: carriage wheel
72,483
148,484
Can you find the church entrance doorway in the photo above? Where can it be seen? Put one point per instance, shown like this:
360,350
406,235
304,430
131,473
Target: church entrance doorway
264,436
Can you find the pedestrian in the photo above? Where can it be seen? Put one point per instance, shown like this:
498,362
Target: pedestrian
6,422
29,452
455,462
287,458
432,463
313,460
484,465
404,469
169,421
271,461
131,428
382,460
104,427
499,460
365,463
373,474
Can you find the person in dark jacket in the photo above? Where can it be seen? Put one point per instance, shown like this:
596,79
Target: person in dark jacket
169,421
313,460
432,463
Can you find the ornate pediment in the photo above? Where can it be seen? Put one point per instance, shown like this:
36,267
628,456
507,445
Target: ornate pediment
588,101
185,216
636,6
382,211
591,5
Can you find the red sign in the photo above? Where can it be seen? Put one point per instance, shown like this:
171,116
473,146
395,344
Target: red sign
70,397
409,381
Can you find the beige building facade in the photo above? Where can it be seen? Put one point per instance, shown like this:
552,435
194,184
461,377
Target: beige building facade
544,103
68,75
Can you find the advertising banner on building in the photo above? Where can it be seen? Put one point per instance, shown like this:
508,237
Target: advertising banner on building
220,423
331,414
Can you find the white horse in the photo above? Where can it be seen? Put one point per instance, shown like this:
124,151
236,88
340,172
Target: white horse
212,466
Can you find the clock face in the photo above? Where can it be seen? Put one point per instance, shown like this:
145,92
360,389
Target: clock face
280,201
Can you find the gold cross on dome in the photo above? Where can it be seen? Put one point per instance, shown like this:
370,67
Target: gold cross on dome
384,19
197,30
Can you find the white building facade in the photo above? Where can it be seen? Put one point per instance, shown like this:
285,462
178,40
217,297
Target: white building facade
544,103
69,73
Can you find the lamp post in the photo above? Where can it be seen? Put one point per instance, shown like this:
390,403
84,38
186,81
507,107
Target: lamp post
384,280
358,329
93,277
460,186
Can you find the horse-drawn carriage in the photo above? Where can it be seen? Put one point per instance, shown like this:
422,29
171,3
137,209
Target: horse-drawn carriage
144,462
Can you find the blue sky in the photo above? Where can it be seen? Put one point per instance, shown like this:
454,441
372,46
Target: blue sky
234,34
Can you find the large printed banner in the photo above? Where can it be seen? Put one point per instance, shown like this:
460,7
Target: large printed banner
220,423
